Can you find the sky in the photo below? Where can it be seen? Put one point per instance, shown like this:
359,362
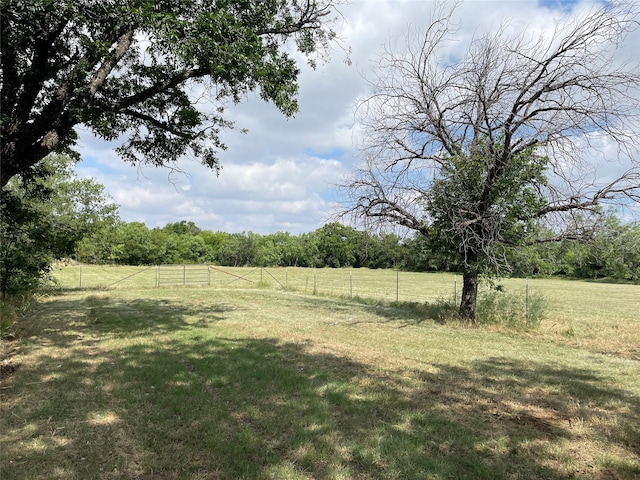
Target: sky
282,174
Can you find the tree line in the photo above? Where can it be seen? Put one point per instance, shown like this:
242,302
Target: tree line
613,252
333,245
58,216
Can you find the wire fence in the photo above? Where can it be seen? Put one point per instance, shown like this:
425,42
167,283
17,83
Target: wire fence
385,285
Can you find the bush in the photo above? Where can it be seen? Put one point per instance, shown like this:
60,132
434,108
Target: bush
520,310
441,311
11,307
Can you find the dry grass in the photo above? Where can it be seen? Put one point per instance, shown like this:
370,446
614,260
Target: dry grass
232,383
598,316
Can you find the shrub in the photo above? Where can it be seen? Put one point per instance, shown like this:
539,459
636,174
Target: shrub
11,307
520,310
442,311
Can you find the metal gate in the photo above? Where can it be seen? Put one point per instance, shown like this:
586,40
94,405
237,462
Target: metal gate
183,275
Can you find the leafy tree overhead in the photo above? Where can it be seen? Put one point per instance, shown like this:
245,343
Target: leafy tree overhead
479,153
157,73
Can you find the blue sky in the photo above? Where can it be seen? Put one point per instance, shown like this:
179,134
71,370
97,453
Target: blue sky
281,175
558,4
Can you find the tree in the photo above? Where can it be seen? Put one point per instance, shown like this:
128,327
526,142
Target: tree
159,72
336,245
613,251
43,217
213,242
238,249
479,153
182,228
290,250
267,253
137,246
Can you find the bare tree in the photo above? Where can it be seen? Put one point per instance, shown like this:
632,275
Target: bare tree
478,153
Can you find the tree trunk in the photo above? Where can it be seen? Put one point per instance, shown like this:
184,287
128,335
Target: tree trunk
469,295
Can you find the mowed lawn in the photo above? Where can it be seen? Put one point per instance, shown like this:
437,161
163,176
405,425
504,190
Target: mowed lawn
233,382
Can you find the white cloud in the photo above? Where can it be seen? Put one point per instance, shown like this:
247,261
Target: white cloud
280,175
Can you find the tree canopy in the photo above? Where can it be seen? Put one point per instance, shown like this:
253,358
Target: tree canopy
156,73
44,217
481,151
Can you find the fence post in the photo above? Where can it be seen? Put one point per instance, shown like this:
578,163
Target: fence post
315,289
350,285
397,286
157,276
455,289
286,277
526,299
208,276
184,274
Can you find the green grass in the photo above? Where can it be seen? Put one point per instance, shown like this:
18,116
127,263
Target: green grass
226,382
600,317
385,285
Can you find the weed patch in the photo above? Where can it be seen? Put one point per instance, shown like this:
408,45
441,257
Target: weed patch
516,310
11,308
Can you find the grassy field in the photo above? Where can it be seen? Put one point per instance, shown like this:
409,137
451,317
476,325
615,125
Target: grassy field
379,284
232,382
600,317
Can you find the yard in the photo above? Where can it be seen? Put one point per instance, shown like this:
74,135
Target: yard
252,380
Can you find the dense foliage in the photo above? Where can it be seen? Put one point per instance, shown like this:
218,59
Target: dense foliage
613,251
43,215
156,74
333,245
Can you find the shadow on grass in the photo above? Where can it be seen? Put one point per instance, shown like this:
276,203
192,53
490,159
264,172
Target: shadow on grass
197,405
100,313
411,313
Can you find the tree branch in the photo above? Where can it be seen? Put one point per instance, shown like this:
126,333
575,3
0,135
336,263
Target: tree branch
121,48
309,19
157,88
167,127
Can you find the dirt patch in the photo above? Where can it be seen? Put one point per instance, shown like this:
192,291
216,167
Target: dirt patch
7,368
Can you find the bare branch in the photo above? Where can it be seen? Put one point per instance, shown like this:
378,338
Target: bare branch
476,153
